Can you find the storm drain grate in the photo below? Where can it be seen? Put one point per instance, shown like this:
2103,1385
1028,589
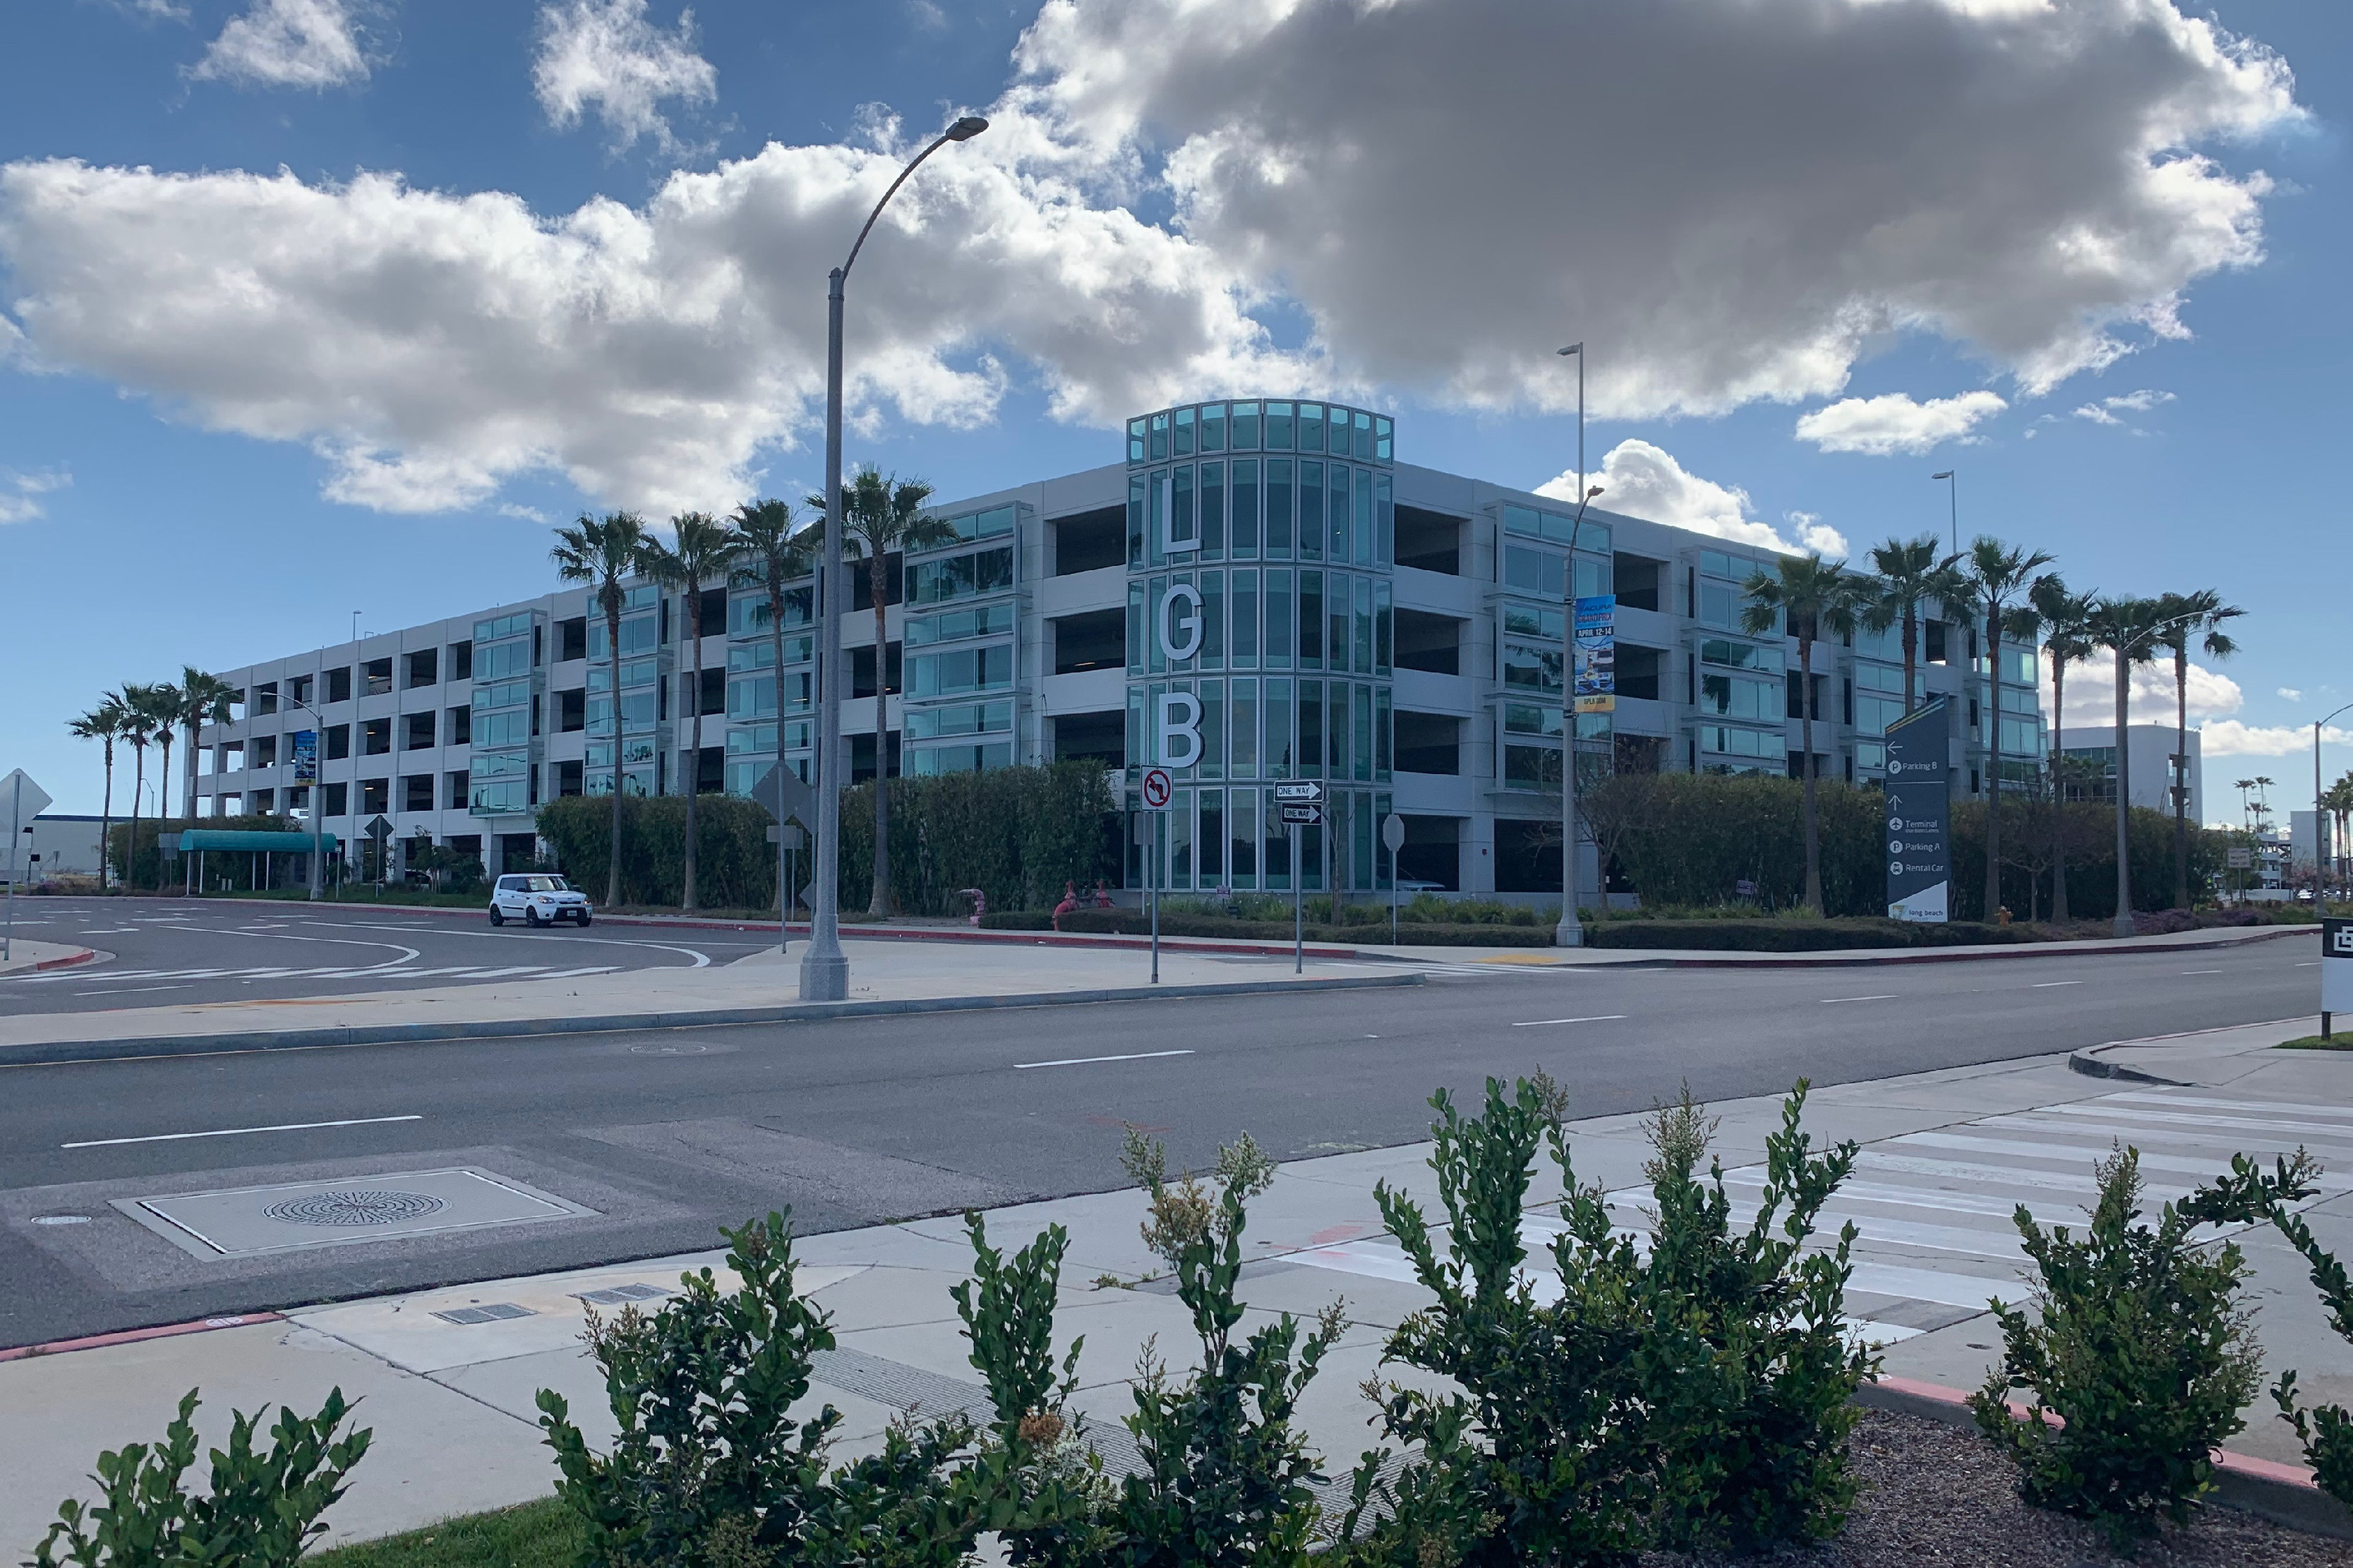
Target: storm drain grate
497,1311
621,1295
354,1207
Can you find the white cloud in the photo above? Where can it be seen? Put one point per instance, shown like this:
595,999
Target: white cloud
604,55
20,494
1783,187
2092,692
1762,188
431,346
2106,410
289,43
1639,479
1883,427
2291,693
2228,738
527,513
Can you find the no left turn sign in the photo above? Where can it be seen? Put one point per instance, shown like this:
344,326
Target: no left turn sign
1157,789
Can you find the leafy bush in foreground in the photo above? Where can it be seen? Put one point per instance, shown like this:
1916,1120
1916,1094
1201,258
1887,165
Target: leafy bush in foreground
2141,1346
262,1510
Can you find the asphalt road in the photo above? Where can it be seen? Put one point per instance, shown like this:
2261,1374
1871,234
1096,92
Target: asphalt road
160,951
666,1135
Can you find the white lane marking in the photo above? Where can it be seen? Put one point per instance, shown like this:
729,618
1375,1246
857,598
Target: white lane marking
571,973
701,960
2047,985
240,1132
2202,971
1083,1062
1597,1018
128,990
1931,1285
2300,963
1889,997
2217,1123
2266,1106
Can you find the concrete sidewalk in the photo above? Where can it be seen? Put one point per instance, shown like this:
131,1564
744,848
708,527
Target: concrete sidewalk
885,977
26,956
1947,1156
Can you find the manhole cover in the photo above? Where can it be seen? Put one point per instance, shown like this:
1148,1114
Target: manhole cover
358,1208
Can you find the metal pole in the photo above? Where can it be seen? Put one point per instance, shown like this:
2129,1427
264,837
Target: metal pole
1152,884
1393,898
8,934
2319,866
1568,931
1298,902
825,969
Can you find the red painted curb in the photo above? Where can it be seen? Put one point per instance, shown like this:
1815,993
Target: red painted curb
133,1336
2224,1460
68,962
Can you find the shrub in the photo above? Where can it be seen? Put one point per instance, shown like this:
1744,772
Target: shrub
710,1470
1697,1396
735,866
2139,1346
262,1510
1227,1475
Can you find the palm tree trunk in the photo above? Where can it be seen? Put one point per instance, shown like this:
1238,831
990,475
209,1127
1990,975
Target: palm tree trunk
776,647
2059,789
1911,641
138,784
163,797
2123,924
106,818
1805,772
613,856
1993,765
693,628
2177,787
878,904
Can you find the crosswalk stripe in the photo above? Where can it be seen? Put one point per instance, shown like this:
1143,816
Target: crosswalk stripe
2143,1135
2213,1123
1999,1175
2085,1154
2271,1106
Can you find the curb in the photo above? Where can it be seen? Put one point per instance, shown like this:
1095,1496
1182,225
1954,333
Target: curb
134,1336
67,1051
2284,1494
1984,951
68,962
2091,1064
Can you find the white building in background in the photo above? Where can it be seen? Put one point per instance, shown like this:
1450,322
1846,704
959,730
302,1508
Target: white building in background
2091,753
1322,610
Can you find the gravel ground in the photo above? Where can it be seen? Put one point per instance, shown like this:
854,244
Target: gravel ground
1935,1496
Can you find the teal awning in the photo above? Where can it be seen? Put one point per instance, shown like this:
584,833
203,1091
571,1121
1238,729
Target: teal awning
198,838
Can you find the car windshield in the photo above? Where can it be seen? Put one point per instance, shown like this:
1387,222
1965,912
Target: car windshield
545,885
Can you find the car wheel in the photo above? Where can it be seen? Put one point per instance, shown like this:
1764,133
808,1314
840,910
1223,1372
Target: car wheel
497,917
584,922
530,918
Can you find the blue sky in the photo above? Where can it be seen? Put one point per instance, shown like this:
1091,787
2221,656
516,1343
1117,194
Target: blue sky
236,406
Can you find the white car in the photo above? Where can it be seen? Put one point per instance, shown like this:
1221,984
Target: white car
536,899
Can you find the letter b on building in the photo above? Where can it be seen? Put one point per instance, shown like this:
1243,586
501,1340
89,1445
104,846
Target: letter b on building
1180,729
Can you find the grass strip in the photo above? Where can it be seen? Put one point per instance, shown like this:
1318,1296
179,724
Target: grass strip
543,1534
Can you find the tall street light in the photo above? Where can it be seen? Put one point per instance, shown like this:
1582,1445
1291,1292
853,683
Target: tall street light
1568,933
825,968
2319,815
1953,488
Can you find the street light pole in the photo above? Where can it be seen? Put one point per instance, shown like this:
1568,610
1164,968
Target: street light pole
1569,932
1953,490
825,968
2319,817
318,778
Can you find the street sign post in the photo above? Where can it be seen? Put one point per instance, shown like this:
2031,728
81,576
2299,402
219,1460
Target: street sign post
21,800
1301,805
380,831
1919,843
1393,836
1151,827
786,798
2335,970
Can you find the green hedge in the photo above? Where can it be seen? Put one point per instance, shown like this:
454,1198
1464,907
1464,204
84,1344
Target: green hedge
1174,922
1017,834
1689,838
1799,935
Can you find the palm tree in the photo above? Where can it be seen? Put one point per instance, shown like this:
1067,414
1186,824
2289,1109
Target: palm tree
142,710
771,550
881,517
103,724
2066,637
1819,597
605,554
705,549
171,703
2133,630
2190,617
2338,803
1909,572
1996,585
205,700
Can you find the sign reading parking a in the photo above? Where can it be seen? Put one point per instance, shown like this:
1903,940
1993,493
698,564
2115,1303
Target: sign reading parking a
2336,969
1919,848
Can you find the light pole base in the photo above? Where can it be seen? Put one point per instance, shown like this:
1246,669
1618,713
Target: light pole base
1568,933
824,976
2123,926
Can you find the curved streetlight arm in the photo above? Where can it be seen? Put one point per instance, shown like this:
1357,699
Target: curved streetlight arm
964,130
